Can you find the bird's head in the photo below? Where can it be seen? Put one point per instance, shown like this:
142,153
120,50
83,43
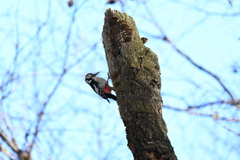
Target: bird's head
89,76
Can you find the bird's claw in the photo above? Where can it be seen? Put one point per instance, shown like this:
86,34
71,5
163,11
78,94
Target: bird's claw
109,76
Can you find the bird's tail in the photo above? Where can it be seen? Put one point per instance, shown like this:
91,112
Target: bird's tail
111,96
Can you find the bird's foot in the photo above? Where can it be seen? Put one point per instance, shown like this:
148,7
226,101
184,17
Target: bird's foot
109,76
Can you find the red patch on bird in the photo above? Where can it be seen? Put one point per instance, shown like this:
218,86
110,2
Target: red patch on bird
107,89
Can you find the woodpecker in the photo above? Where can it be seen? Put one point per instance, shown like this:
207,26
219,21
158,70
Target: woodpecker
100,86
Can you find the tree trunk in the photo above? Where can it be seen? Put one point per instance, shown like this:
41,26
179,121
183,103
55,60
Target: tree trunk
135,74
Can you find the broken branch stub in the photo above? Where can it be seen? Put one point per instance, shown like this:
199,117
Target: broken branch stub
135,74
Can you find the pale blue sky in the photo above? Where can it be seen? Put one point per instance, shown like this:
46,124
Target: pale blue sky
81,125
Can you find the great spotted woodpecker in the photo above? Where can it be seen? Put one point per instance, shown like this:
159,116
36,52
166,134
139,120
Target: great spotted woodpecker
100,86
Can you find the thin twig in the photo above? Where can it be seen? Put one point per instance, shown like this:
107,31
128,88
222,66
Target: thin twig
210,13
227,128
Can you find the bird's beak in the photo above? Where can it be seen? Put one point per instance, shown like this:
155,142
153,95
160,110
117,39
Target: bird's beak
95,74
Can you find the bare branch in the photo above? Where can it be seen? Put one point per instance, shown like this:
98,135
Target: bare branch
6,152
235,103
230,2
41,113
165,38
200,67
9,129
9,143
214,116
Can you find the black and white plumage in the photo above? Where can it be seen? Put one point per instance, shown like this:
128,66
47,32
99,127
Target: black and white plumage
100,86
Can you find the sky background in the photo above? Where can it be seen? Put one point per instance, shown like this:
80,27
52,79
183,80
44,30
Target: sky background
39,39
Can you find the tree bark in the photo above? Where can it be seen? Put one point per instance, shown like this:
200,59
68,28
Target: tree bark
135,74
